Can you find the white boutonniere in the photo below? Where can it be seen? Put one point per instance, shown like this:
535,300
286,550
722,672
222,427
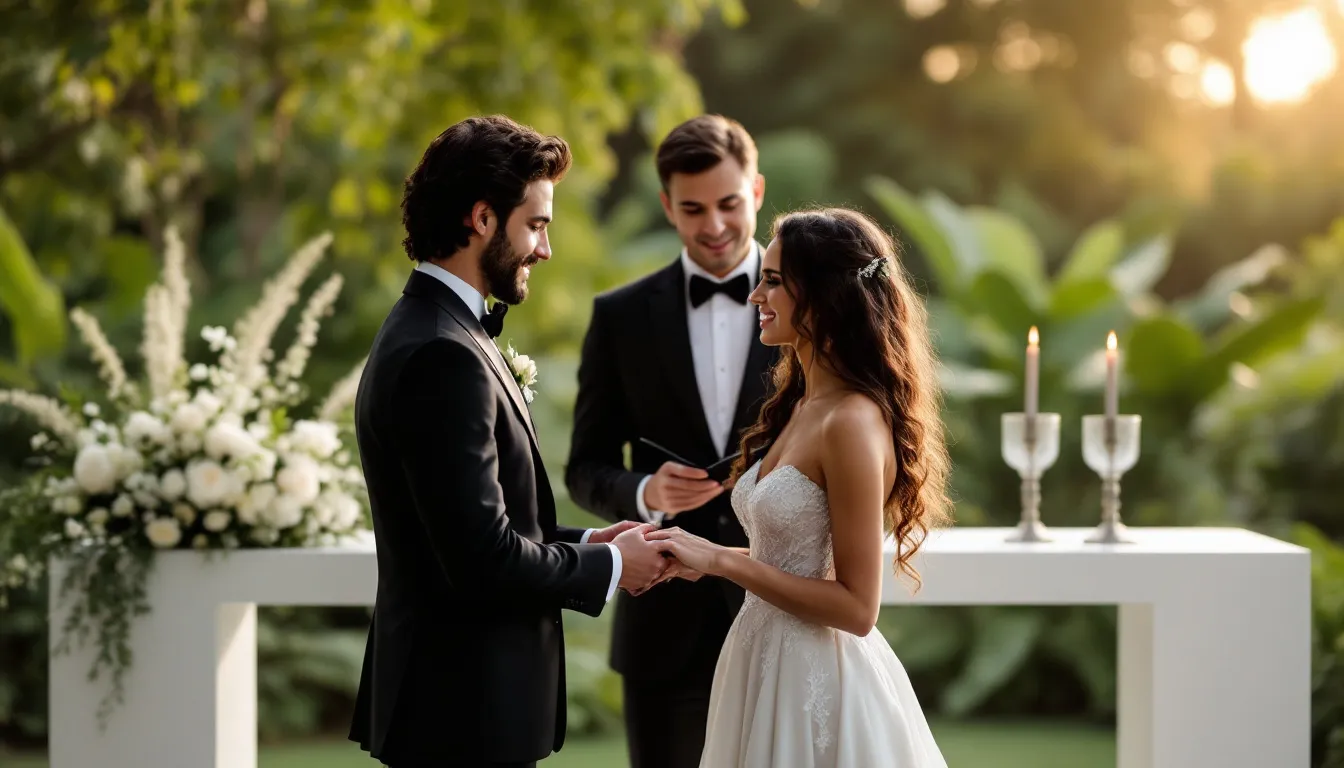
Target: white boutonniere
524,370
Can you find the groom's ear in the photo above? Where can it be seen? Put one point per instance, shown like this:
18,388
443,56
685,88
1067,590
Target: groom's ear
478,220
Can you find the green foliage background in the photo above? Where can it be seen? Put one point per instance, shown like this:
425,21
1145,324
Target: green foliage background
1074,194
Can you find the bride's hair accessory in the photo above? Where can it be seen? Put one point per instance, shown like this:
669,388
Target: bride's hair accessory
878,264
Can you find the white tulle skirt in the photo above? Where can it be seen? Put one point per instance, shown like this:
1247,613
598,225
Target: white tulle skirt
788,694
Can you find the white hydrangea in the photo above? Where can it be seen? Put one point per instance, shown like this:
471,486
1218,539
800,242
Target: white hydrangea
255,502
143,430
189,419
316,438
284,512
226,440
123,506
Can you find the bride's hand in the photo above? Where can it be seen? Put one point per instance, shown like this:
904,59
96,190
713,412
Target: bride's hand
691,551
675,570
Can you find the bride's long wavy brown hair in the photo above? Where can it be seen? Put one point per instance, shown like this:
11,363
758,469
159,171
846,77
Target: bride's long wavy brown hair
870,329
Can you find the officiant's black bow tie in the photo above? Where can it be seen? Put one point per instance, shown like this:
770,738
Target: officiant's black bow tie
702,289
493,321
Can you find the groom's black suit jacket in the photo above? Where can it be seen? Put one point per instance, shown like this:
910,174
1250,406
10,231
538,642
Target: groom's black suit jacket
465,657
637,379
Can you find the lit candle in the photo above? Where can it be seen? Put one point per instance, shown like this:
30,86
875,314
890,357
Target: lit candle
1033,373
1112,396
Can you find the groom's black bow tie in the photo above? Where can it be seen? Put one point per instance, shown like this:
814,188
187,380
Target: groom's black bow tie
702,289
493,321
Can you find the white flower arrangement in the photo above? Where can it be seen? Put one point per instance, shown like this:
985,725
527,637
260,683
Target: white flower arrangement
204,457
524,370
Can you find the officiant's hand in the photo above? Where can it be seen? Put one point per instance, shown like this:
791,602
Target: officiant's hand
641,562
609,534
675,488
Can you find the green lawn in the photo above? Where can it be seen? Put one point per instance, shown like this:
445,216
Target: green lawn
1001,744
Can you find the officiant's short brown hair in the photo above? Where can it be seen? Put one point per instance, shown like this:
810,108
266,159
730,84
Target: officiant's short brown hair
488,158
703,142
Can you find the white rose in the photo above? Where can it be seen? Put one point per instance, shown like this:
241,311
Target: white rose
255,502
68,505
142,430
189,419
526,369
163,532
318,438
128,460
207,401
190,443
337,511
91,410
217,520
123,506
284,512
98,516
299,479
199,372
95,470
39,440
73,528
209,484
184,513
172,485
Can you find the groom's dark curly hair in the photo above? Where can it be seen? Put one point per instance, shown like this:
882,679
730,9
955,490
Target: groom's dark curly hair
481,158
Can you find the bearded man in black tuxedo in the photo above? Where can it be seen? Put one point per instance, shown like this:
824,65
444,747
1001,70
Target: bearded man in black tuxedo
465,658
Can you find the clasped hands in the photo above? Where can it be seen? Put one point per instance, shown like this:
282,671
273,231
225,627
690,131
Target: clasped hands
650,556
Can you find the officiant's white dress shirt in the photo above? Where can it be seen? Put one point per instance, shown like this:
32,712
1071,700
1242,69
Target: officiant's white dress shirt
476,303
719,349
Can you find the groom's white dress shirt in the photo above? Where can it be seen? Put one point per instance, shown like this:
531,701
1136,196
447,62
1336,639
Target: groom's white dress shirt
719,349
476,303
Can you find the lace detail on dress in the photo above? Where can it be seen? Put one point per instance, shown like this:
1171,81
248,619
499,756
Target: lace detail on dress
789,528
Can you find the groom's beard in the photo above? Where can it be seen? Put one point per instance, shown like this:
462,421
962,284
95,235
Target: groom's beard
504,270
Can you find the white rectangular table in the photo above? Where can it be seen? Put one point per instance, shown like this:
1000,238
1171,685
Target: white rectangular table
1214,643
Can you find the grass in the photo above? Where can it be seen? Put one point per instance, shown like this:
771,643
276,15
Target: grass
1026,744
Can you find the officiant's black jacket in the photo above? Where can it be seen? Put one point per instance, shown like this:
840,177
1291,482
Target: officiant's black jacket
637,379
465,657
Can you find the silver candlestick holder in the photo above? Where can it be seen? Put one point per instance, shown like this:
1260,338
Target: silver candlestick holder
1111,448
1030,446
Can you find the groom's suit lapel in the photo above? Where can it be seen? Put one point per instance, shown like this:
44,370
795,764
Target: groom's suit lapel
423,285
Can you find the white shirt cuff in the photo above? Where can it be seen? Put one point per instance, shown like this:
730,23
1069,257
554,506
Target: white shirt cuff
584,538
615,570
649,517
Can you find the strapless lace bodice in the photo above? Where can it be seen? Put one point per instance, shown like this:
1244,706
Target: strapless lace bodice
787,519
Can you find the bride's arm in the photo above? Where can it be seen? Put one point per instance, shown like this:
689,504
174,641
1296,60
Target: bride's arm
857,462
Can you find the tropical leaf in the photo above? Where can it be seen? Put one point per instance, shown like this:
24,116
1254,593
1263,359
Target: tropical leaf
1095,253
1003,641
997,296
1013,250
1143,267
1161,353
35,307
1080,297
920,227
1212,305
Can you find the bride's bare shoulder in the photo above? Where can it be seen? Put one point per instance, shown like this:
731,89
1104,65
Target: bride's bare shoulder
856,421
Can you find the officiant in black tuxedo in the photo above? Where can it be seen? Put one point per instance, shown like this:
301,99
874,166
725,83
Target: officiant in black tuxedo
674,358
465,658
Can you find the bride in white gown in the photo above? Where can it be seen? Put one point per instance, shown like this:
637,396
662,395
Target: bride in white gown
853,449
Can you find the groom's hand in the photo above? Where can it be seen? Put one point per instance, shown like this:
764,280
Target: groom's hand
609,534
641,562
675,488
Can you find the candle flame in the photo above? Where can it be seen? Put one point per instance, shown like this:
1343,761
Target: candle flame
1111,343
1033,338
